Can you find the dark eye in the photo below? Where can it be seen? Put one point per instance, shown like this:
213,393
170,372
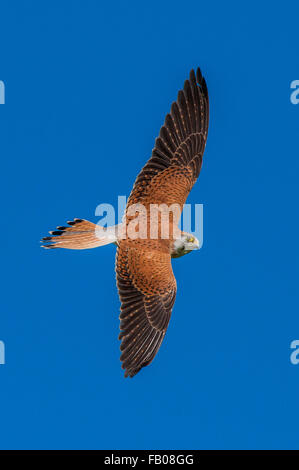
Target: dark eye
190,239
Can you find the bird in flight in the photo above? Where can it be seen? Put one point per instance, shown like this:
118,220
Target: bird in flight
144,276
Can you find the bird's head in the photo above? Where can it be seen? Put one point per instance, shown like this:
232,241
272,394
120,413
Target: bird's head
184,244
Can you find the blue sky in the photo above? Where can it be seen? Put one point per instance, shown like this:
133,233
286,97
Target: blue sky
87,88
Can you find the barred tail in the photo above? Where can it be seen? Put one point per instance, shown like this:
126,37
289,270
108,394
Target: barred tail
80,235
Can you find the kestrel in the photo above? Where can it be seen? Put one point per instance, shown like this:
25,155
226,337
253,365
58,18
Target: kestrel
144,276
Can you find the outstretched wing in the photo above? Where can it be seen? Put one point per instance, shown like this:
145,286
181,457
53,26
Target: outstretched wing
147,290
176,159
146,284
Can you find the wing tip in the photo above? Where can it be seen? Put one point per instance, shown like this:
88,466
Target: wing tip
130,373
198,79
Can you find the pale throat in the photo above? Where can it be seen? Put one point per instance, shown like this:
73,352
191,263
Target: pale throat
183,245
